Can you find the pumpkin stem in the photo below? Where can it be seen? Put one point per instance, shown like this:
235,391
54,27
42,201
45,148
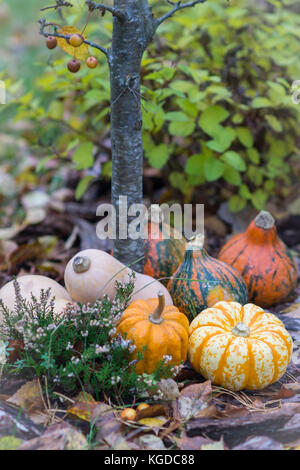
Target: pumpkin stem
155,317
241,329
81,264
196,243
156,214
264,220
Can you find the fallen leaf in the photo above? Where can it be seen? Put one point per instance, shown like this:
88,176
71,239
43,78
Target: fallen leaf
151,442
9,443
10,232
199,390
193,401
232,411
83,407
39,249
169,389
60,436
260,443
215,446
287,391
7,247
107,424
294,309
29,398
35,199
153,423
34,216
15,347
192,443
14,422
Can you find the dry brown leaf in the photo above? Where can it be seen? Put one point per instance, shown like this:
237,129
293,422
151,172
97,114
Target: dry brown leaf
169,389
60,436
193,402
232,411
173,426
214,446
199,390
287,391
151,442
29,398
7,247
80,52
192,443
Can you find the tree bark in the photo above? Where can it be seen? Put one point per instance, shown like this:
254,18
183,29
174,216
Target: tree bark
130,39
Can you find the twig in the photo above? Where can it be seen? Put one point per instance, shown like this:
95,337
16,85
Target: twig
176,7
66,36
59,4
102,6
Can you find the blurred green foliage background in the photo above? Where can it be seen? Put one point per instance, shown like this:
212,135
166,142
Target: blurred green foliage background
219,121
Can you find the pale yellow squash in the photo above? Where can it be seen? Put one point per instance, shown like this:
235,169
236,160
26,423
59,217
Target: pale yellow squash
33,284
239,347
92,273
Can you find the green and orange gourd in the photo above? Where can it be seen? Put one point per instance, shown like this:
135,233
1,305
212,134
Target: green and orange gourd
201,281
263,260
164,247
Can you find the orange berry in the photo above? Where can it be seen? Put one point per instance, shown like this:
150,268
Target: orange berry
76,40
91,62
51,42
74,66
128,414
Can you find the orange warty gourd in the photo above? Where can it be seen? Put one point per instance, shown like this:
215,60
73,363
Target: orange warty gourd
162,330
263,260
239,347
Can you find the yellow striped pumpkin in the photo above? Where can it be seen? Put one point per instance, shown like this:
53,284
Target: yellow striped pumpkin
239,347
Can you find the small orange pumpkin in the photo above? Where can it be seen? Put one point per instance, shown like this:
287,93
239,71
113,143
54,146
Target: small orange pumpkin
163,331
263,260
239,346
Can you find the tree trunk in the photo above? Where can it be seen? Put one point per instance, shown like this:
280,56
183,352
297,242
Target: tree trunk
130,39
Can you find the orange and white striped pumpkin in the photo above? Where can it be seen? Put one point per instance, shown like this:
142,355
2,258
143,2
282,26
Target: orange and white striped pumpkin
239,347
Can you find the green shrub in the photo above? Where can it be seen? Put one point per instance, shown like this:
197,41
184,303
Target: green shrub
218,111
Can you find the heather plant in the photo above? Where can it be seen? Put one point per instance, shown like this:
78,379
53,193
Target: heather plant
79,347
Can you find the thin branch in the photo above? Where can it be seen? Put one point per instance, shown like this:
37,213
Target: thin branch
102,6
66,36
59,4
176,7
